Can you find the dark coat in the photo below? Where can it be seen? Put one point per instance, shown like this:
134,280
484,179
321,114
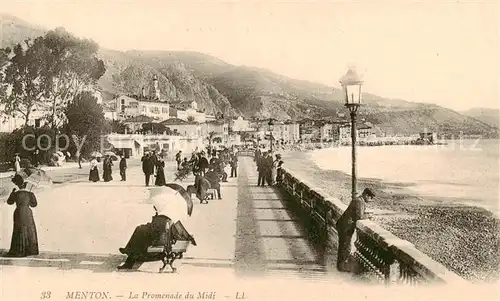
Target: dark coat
214,179
147,165
123,164
268,163
203,163
354,212
261,164
24,236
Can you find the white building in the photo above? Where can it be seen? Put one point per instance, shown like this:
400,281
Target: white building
240,125
134,145
363,132
191,129
127,106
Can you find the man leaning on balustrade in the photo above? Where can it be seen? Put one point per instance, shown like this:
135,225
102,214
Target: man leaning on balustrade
347,224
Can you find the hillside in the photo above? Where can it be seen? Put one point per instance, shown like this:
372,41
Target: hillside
15,30
238,90
486,115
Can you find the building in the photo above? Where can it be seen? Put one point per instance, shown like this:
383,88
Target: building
364,132
135,123
291,133
326,132
310,130
127,106
191,129
134,145
240,125
220,128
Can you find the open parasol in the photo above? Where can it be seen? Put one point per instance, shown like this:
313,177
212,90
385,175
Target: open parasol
35,176
96,154
184,194
168,201
112,155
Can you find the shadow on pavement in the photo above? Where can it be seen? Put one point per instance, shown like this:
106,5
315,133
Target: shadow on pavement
98,263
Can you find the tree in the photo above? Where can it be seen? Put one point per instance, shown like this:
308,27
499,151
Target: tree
72,67
13,143
190,118
85,120
210,137
118,127
47,73
22,84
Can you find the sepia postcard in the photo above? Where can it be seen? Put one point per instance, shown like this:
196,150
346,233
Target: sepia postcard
249,150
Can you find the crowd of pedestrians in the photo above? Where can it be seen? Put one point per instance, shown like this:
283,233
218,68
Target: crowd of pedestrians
268,168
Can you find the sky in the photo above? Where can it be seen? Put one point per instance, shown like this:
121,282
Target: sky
434,51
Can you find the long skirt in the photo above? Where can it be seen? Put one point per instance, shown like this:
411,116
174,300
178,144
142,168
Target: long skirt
24,237
154,233
274,173
160,177
94,175
106,175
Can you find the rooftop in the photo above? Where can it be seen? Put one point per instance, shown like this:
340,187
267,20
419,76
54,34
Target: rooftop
177,121
140,118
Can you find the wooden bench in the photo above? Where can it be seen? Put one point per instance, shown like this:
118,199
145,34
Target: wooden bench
168,252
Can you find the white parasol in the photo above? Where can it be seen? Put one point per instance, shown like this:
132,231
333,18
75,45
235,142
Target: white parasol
168,202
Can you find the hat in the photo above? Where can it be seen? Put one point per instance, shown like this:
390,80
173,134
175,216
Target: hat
368,192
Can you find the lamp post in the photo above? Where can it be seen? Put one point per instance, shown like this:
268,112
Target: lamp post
271,127
351,85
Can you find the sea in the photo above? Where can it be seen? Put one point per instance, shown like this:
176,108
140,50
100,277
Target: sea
463,171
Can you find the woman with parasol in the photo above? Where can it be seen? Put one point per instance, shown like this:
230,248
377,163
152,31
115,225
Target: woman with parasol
172,205
24,237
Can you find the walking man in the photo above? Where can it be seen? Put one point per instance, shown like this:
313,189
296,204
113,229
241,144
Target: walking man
79,155
147,167
234,166
123,168
346,226
261,161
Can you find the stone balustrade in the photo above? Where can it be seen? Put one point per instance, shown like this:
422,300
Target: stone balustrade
379,254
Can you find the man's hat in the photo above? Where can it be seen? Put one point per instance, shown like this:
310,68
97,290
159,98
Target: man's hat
368,192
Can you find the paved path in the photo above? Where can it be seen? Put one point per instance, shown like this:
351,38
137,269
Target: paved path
81,226
62,175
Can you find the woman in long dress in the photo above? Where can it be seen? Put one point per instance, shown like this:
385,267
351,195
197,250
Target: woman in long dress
274,169
94,171
160,173
24,237
17,163
106,169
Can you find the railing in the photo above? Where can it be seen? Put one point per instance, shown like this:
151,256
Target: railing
379,253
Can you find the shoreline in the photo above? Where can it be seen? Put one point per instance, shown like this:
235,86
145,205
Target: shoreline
464,238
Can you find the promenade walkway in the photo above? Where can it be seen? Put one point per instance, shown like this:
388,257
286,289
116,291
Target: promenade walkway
81,225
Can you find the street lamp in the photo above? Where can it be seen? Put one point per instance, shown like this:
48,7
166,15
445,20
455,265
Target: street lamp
271,128
351,85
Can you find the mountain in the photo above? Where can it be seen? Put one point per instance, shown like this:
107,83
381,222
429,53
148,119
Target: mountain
253,92
15,30
486,115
